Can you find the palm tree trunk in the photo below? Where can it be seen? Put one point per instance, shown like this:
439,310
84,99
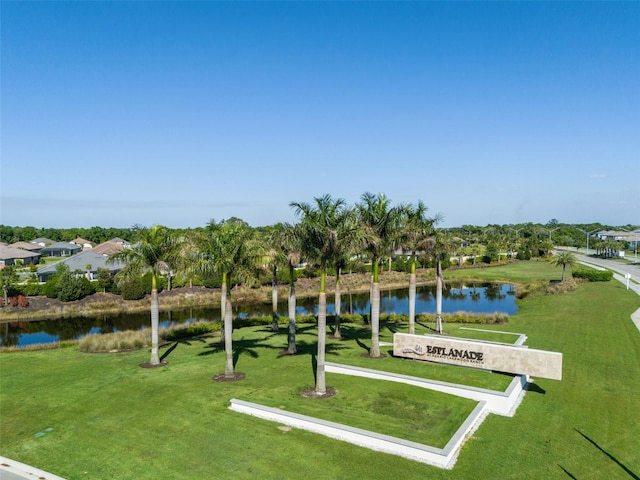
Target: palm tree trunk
439,284
375,321
292,320
228,339
338,306
223,295
155,314
412,300
321,387
274,302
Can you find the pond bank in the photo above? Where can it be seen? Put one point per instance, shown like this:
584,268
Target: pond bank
98,304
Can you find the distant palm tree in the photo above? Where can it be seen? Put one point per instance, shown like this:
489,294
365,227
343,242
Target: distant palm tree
287,240
320,230
380,227
154,246
441,248
564,258
416,237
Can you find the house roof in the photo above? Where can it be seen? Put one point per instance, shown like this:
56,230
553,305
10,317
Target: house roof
26,246
60,246
7,253
80,241
119,240
107,248
80,262
42,241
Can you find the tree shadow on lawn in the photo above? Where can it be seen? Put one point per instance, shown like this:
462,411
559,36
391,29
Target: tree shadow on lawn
620,464
186,341
240,347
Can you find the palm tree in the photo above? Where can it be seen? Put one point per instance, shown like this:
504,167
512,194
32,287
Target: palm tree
229,249
564,258
380,225
441,248
288,241
416,237
320,229
154,246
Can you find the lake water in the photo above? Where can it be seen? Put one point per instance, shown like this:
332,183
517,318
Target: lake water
479,298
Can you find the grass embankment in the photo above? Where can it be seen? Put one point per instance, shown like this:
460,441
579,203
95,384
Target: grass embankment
112,419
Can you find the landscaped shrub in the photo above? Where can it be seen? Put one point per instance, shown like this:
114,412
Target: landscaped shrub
23,301
132,289
31,289
593,275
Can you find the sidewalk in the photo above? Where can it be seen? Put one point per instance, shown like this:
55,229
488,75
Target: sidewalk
12,470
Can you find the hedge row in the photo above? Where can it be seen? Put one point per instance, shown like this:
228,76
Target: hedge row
593,275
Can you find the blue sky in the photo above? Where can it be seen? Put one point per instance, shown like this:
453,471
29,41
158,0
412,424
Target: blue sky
176,113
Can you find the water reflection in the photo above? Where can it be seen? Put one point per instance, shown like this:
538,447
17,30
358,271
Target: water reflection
480,298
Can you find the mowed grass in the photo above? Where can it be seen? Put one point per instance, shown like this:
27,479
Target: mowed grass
113,420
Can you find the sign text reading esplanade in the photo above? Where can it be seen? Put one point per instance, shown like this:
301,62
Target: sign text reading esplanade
473,353
442,352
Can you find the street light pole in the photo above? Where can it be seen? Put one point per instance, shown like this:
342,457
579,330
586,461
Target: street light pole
587,234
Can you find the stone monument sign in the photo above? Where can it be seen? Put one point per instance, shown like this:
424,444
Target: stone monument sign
478,354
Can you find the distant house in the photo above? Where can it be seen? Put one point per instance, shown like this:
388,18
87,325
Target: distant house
85,244
31,247
60,249
108,248
42,241
87,262
12,256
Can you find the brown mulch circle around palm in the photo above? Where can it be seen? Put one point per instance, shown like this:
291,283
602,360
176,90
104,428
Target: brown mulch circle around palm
221,377
310,392
368,355
149,365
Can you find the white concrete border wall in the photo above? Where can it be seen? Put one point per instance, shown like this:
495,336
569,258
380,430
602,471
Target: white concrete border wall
440,457
489,401
502,403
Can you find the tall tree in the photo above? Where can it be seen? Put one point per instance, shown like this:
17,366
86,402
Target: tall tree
565,259
441,248
287,240
416,237
320,229
380,224
153,247
229,249
8,277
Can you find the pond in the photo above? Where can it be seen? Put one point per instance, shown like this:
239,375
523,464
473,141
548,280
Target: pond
479,298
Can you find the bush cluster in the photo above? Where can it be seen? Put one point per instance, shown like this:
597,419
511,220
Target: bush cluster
593,275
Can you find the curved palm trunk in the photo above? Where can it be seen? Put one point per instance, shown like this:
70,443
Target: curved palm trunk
292,320
412,299
439,285
321,386
274,302
338,307
155,314
228,340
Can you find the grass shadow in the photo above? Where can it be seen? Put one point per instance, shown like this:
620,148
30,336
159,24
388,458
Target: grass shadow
533,387
614,459
569,474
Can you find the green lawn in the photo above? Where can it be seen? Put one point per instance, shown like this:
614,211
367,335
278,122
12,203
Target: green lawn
114,420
